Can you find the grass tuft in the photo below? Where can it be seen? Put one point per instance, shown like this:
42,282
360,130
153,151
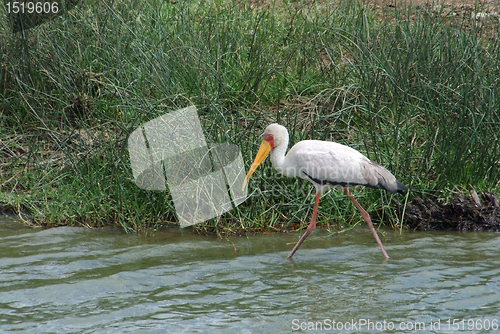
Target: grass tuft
417,91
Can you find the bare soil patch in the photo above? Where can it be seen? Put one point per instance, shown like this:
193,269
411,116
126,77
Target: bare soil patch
463,213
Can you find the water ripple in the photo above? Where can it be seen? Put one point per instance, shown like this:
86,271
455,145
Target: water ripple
78,280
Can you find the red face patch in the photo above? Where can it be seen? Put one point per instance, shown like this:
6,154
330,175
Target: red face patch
270,139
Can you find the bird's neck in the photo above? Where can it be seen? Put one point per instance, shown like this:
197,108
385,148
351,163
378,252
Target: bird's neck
278,157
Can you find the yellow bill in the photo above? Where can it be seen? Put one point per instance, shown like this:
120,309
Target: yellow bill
264,150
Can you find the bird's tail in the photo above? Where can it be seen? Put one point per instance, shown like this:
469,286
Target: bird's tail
401,187
379,177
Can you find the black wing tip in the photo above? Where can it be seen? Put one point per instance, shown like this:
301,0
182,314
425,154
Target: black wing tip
401,188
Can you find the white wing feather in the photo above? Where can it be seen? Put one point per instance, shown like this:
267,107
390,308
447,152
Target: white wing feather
325,161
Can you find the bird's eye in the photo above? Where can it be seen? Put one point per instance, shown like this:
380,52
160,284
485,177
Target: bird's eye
269,138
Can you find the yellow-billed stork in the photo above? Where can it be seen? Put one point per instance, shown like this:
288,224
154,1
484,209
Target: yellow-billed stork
326,165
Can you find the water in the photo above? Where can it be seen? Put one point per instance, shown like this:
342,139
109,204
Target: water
79,280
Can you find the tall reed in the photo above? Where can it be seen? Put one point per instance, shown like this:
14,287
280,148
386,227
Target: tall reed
418,94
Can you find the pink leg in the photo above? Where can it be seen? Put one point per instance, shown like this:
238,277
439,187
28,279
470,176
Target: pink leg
368,220
310,228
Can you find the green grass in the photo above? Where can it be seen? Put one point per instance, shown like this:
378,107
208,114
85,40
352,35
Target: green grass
418,93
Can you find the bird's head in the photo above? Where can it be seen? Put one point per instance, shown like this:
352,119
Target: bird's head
274,135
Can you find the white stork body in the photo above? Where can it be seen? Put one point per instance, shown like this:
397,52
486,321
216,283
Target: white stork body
328,164
325,165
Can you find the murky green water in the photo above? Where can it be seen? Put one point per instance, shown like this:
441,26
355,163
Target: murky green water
74,279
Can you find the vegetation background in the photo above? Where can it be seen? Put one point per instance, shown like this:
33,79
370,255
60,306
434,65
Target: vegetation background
414,87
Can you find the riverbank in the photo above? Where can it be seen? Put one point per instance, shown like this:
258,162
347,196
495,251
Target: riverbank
416,91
